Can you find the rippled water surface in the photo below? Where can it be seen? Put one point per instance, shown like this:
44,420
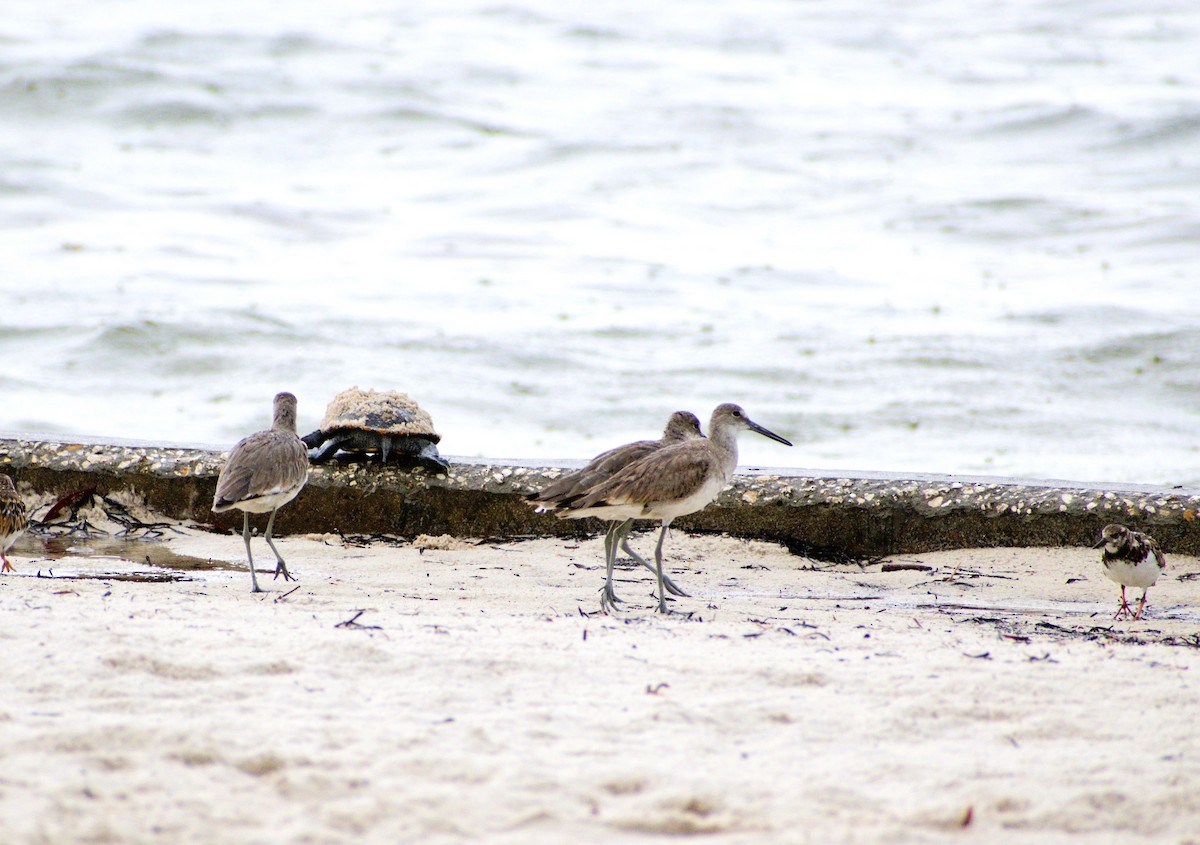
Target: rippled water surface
923,236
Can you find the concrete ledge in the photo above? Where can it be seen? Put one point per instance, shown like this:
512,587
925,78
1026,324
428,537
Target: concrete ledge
829,515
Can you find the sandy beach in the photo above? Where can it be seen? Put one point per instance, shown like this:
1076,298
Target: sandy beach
450,691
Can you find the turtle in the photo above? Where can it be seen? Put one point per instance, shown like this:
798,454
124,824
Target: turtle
377,421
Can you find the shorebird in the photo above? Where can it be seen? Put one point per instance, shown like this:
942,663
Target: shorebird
12,519
264,472
1132,559
556,498
673,481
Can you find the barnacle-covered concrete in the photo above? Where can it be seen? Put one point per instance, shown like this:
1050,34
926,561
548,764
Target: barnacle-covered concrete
826,514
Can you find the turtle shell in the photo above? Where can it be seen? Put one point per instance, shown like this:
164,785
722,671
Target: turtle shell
382,411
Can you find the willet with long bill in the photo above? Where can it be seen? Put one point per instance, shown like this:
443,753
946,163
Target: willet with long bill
673,481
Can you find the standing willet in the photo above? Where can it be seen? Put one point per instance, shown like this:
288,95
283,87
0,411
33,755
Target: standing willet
264,472
673,481
1132,559
557,497
12,519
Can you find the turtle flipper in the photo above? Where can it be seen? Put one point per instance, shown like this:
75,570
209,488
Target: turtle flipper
327,451
431,460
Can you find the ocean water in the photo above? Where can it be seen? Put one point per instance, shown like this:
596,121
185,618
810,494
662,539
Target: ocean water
917,236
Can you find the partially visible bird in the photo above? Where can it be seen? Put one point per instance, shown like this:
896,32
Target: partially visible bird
1132,559
557,497
673,481
264,472
12,519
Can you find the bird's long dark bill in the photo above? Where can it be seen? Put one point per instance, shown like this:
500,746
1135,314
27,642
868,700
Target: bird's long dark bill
765,433
1101,543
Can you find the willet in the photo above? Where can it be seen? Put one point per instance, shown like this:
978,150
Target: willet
12,519
673,481
264,472
1132,559
557,497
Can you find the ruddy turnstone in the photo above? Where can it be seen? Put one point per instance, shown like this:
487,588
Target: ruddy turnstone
12,519
1132,559
264,472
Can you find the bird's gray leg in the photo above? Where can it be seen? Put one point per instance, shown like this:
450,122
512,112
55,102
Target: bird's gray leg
662,597
249,557
608,599
671,586
280,566
385,446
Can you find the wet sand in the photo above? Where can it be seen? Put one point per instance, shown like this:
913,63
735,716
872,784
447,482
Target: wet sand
463,693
